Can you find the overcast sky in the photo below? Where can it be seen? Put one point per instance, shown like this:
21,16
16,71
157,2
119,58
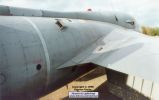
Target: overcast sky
145,11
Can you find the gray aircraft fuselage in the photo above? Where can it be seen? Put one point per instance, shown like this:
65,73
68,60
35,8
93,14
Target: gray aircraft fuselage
118,18
32,49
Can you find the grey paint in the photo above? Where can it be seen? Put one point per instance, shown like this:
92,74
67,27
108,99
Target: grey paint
26,42
44,47
25,12
111,17
4,10
125,51
22,49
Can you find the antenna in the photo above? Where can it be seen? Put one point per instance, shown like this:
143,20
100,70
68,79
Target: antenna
113,10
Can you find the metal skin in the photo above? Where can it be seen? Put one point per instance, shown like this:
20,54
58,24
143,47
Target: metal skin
36,53
117,18
27,42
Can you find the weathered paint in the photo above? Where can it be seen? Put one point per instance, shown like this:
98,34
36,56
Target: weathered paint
25,43
33,51
111,17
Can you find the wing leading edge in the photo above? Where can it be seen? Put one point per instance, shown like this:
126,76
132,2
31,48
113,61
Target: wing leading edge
124,51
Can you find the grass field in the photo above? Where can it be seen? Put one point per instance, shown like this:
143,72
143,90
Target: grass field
152,31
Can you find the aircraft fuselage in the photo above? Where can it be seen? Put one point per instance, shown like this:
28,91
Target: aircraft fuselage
31,50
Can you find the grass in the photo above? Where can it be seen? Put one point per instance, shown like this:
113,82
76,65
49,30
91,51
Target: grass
152,31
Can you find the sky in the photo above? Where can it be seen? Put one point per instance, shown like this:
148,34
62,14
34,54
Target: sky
146,12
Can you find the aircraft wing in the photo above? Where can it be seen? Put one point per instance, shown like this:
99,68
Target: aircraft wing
125,51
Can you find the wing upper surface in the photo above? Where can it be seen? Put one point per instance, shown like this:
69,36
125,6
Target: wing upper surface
125,51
